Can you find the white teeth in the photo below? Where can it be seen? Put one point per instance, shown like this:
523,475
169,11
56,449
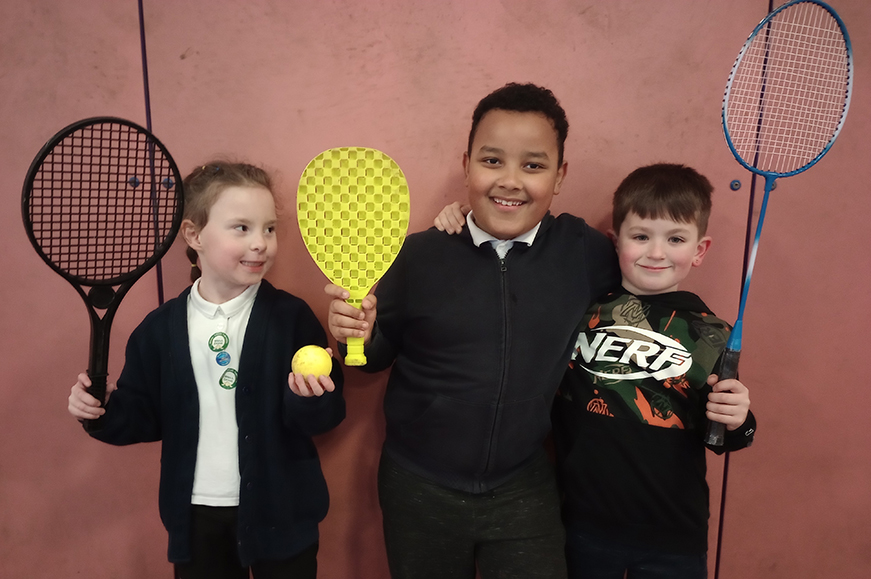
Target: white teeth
507,203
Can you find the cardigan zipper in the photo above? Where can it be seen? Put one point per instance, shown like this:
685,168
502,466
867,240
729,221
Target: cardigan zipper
506,335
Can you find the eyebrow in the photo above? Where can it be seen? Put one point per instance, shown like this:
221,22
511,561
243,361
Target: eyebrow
245,221
498,151
645,229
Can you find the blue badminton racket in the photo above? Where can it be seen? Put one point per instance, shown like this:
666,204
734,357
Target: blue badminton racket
785,104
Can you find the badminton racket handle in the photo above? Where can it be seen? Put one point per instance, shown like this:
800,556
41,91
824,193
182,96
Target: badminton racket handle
355,355
97,389
716,434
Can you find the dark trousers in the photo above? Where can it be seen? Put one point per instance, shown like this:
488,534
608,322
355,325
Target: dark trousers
433,532
214,554
591,557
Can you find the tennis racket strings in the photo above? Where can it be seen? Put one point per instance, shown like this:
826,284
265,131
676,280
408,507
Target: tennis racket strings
102,201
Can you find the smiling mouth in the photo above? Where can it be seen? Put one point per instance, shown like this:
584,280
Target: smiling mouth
252,263
507,202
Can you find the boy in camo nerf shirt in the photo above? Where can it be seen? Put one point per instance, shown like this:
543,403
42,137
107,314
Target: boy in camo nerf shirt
630,415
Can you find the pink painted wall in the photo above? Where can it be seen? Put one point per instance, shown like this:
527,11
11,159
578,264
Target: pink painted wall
278,82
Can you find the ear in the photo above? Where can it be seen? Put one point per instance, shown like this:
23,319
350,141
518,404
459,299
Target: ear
466,168
701,250
612,235
191,234
560,175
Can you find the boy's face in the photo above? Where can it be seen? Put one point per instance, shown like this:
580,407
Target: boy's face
513,172
657,254
238,243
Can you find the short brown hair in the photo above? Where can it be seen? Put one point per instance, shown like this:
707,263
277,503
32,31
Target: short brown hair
664,190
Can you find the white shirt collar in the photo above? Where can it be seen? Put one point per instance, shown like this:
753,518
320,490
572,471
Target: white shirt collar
228,308
480,236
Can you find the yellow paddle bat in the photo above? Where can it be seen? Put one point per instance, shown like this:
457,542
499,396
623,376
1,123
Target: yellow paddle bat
353,209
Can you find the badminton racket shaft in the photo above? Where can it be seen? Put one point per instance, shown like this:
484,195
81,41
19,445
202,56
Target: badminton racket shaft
729,365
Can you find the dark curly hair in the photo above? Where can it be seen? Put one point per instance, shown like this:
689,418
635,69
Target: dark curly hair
524,98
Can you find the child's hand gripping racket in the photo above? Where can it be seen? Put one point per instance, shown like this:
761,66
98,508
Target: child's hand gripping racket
353,210
785,103
102,203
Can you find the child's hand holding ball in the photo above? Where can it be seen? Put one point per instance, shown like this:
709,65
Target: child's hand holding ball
311,361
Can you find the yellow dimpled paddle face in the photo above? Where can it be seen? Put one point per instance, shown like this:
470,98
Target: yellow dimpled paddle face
353,207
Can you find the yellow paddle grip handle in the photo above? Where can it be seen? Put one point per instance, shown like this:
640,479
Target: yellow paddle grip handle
356,355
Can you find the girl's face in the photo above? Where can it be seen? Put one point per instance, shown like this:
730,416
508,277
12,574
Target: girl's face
238,243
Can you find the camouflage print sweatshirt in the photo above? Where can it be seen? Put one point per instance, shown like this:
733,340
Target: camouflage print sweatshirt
629,421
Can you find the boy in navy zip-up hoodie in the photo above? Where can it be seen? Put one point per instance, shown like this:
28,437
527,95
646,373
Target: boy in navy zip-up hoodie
477,328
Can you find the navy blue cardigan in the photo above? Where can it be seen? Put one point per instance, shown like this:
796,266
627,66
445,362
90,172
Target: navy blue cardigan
283,495
479,345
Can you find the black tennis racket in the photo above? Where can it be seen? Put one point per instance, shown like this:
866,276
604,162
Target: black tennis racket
785,104
102,203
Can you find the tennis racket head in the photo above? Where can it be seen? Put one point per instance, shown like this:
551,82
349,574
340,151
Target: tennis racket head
353,211
102,202
789,90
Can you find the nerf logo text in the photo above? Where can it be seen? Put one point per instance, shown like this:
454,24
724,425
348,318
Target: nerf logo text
653,354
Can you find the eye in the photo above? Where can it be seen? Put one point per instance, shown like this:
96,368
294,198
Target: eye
270,229
490,161
535,166
639,237
676,240
242,228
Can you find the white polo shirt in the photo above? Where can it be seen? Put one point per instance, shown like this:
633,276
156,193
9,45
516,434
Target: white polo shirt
215,334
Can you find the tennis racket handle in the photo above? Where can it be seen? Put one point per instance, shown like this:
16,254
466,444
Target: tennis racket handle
716,434
97,389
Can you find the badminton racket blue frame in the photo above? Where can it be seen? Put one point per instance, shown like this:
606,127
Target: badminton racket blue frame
785,104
